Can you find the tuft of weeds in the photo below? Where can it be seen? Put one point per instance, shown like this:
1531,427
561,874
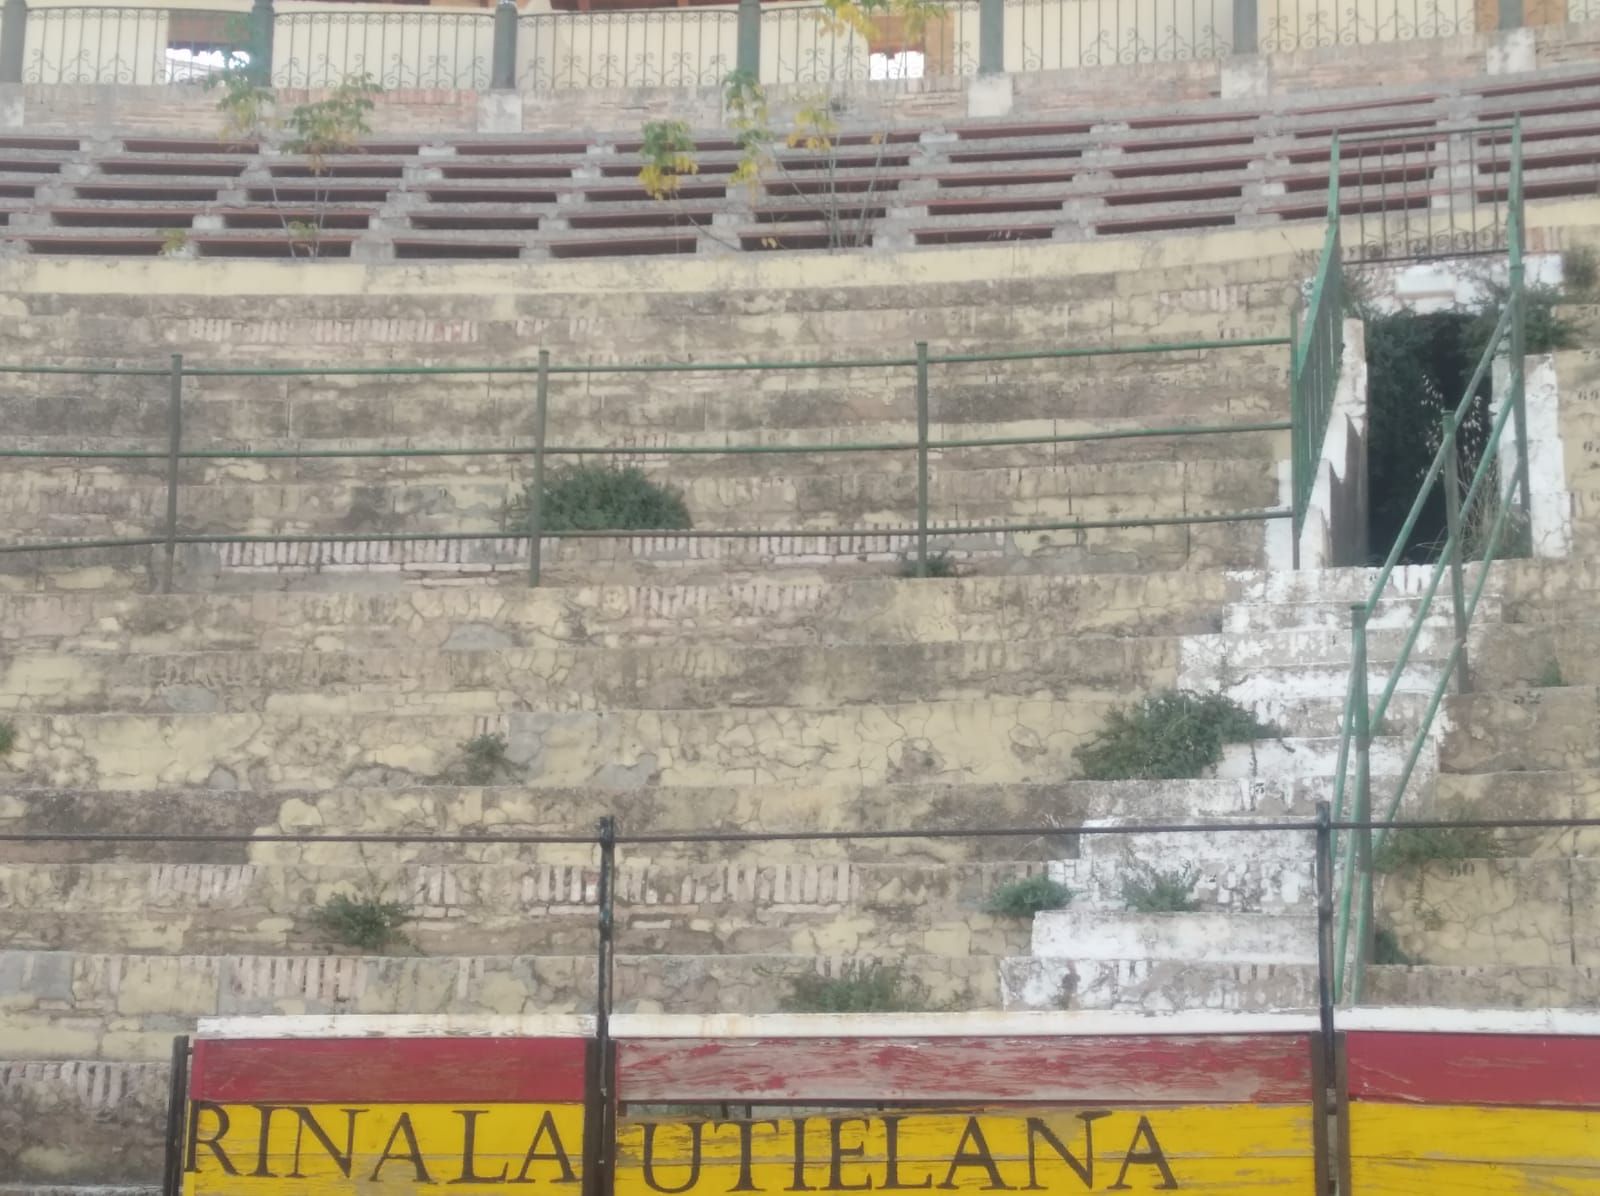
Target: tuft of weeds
1412,846
1028,895
484,760
1173,735
868,988
364,921
940,564
1161,891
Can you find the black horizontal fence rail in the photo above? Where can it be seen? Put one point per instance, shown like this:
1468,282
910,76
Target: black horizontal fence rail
171,534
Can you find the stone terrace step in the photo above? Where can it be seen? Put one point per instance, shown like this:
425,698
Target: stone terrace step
106,1124
761,902
1517,912
382,498
1533,795
771,610
989,740
117,1006
1163,986
518,810
1486,987
488,680
1522,730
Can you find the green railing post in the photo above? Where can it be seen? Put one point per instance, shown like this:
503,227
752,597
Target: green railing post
991,37
748,50
263,20
1361,804
1299,434
922,458
541,410
1519,319
503,68
174,447
1452,519
13,37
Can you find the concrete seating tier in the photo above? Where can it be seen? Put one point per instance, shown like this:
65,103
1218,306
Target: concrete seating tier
1123,173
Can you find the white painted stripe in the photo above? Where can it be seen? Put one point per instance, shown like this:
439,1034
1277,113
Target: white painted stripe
378,1025
1561,1022
1020,1024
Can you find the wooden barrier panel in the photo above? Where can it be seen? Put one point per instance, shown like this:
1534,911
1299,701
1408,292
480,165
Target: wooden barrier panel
317,1117
1196,1113
1473,1113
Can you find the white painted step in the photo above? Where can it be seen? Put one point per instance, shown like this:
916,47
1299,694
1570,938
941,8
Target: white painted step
1076,934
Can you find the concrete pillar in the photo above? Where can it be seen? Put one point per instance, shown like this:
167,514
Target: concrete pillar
503,72
13,35
748,60
991,37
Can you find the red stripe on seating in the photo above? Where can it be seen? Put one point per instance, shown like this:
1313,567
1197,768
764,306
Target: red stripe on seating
444,1070
1474,1069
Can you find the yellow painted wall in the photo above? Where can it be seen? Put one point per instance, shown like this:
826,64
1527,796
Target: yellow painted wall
1412,1150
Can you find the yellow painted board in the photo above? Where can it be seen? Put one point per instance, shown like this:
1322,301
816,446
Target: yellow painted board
375,1148
1218,1149
1470,1150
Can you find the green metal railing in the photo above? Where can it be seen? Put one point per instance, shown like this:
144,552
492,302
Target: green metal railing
538,450
1318,346
1477,525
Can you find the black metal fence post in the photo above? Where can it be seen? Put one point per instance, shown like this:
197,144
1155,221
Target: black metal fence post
605,1105
177,1117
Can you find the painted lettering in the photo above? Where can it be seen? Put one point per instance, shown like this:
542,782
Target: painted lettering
799,1184
213,1143
412,1156
891,1143
977,1156
1084,1169
308,1122
557,1153
1151,1156
469,1140
838,1152
696,1129
746,1182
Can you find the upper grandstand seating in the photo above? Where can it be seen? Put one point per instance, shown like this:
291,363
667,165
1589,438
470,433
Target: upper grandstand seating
1211,164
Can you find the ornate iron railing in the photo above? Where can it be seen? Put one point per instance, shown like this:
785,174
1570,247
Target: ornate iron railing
801,45
1288,25
1059,34
419,48
672,47
125,44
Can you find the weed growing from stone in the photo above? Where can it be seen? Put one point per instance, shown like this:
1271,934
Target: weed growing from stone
869,988
8,738
1386,949
484,760
364,922
1580,273
940,564
1028,895
588,498
1412,846
1161,891
1550,676
1171,736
